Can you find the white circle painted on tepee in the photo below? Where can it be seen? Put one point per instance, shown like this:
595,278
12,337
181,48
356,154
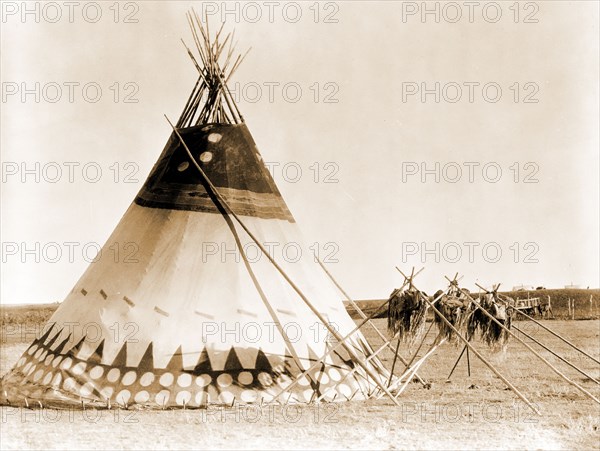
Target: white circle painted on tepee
86,390
96,372
142,396
129,378
183,166
308,394
57,380
146,379
303,381
284,381
266,397
57,361
69,384
214,137
107,392
224,380
166,380
226,397
32,350
248,396
334,374
205,157
31,370
66,364
123,396
38,353
183,397
245,378
49,359
203,380
113,375
184,380
79,368
201,398
265,379
47,379
329,394
344,390
162,397
322,378
38,375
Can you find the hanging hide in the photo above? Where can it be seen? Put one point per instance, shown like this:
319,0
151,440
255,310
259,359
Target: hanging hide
406,314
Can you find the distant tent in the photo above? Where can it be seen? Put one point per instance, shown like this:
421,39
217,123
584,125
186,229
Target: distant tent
172,324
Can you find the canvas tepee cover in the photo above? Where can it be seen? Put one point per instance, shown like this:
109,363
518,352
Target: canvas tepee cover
195,313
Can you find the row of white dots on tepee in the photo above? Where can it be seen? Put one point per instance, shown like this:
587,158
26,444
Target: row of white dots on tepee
82,378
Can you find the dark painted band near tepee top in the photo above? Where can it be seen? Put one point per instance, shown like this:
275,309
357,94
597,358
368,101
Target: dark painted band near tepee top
229,157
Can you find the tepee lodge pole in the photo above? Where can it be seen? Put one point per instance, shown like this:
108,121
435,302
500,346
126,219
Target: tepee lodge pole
555,354
456,363
318,314
437,342
468,364
386,344
409,363
411,371
363,315
557,336
537,354
329,351
483,359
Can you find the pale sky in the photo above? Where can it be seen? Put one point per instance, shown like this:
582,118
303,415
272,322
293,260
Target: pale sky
369,61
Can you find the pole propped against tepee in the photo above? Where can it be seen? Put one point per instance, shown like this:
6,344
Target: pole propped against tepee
318,314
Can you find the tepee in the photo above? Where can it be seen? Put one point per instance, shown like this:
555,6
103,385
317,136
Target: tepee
174,325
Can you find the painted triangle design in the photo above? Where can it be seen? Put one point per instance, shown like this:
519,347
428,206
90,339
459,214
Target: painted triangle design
96,356
233,362
203,364
147,361
53,339
44,337
176,362
262,362
120,360
75,349
61,346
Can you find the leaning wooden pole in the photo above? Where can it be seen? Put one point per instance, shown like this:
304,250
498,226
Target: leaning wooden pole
353,370
363,315
394,362
480,357
537,354
318,314
416,353
411,371
558,336
456,363
468,364
327,353
386,344
556,355
409,367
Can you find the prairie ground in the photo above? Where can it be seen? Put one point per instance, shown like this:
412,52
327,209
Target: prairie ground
476,412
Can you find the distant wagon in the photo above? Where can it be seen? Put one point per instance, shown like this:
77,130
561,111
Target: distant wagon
533,307
527,304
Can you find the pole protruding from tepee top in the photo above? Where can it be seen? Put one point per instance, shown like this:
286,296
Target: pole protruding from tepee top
211,101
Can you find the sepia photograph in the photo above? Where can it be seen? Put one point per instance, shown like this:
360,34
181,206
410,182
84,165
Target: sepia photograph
300,225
